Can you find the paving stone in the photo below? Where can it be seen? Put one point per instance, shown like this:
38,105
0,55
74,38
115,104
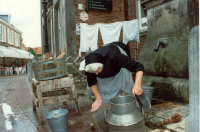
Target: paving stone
3,85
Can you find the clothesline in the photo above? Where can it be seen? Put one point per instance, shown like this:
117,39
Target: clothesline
110,32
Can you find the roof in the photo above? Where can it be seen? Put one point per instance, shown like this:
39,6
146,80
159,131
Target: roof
38,50
9,25
15,53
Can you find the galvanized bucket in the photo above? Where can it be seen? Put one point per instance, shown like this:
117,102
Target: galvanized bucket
148,91
58,120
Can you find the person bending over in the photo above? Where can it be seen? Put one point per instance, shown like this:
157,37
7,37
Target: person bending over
108,71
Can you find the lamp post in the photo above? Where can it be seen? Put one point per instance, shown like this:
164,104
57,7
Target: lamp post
46,46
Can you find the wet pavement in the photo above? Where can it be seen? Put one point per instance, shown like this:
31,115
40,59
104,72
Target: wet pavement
16,113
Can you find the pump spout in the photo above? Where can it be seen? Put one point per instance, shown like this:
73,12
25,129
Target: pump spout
162,43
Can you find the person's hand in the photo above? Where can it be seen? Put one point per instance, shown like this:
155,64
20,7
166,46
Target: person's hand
96,104
137,90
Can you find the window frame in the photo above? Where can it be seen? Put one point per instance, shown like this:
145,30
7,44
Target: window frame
2,33
5,34
16,39
138,16
9,36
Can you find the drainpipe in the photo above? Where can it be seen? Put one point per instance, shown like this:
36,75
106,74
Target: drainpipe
126,19
46,46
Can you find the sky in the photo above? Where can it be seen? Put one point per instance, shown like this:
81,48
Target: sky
25,16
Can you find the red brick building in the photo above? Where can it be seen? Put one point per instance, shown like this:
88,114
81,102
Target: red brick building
121,10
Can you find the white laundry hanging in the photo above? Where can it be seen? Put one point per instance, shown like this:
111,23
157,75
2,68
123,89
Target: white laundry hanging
82,65
110,32
130,31
88,37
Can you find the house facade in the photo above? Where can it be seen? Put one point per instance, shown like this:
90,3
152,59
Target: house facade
10,36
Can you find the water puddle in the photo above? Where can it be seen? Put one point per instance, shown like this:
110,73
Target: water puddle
12,122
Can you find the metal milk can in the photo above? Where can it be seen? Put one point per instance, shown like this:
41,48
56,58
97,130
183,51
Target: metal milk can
124,116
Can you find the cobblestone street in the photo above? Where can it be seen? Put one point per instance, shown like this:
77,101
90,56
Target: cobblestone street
17,115
16,99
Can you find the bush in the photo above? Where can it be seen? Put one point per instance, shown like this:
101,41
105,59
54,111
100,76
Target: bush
33,52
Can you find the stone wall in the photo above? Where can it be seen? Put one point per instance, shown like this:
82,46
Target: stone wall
170,21
169,89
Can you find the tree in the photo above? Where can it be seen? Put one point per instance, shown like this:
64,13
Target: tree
33,52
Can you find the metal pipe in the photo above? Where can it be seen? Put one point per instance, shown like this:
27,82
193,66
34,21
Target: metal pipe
162,43
46,46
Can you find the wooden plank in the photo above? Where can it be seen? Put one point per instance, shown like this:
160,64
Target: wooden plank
74,94
34,98
73,64
34,102
39,94
78,71
35,82
54,99
159,100
76,59
80,81
34,91
54,84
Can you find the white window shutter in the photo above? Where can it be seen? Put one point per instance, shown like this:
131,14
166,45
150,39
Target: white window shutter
16,44
5,34
8,35
18,41
12,38
1,33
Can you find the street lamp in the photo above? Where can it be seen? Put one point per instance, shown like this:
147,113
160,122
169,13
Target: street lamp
46,46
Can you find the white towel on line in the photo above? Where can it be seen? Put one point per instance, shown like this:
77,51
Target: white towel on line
82,65
88,37
110,32
130,31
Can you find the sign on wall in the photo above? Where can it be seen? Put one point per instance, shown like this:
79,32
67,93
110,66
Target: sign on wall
78,28
105,5
84,16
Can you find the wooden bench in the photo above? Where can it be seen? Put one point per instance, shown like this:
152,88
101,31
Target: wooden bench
53,91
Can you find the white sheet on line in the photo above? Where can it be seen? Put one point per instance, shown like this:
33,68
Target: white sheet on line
110,32
88,37
130,31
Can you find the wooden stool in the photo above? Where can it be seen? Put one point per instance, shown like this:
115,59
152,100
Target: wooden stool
53,91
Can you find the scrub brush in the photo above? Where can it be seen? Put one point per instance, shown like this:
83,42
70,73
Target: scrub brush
172,119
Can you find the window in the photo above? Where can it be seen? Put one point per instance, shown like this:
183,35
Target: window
12,38
16,40
5,34
19,44
1,33
141,16
9,36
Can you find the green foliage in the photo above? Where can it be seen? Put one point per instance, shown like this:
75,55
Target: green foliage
33,52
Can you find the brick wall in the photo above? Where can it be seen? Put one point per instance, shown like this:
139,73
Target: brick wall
99,16
132,44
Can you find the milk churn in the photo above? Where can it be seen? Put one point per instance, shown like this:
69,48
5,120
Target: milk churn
124,115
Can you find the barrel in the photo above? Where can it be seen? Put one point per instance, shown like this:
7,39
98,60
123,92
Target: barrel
45,70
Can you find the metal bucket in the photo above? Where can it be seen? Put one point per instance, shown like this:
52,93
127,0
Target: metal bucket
58,120
124,116
148,91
